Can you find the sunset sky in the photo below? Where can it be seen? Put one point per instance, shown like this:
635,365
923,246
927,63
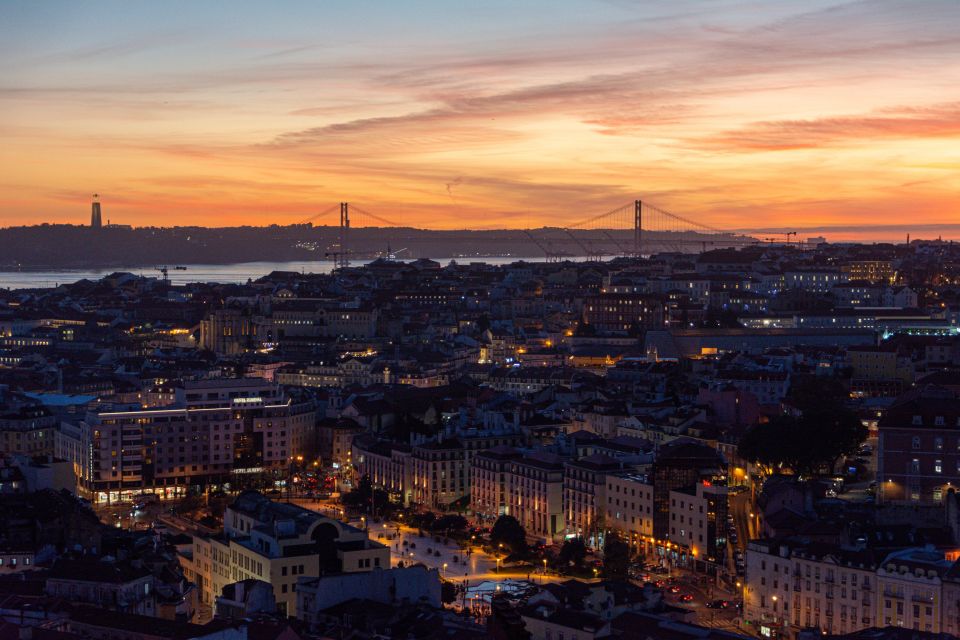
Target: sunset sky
841,118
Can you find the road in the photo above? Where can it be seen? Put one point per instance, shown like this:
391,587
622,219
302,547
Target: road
704,590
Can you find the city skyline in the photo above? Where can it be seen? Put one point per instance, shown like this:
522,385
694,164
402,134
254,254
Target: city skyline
818,116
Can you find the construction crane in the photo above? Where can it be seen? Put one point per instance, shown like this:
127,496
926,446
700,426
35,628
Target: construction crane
165,270
788,234
338,257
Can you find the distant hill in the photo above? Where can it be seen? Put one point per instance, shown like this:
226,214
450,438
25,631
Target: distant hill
75,247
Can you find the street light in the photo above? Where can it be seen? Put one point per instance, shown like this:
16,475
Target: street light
444,570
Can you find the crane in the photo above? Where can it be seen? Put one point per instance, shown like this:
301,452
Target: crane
165,270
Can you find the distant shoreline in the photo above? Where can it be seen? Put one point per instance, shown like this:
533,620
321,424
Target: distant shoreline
63,247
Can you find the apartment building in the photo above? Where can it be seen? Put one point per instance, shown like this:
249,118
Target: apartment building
278,543
910,590
698,521
918,451
504,481
26,426
537,495
434,473
491,482
585,495
792,586
215,430
872,271
629,500
770,387
441,473
681,464
622,313
812,279
387,464
335,441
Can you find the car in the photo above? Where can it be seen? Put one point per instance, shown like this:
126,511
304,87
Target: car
718,604
673,588
686,597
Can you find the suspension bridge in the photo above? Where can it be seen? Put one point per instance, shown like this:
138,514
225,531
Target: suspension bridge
634,229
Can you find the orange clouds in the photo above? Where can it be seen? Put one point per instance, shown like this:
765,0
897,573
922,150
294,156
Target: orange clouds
800,115
938,121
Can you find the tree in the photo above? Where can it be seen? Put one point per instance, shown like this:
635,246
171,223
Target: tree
368,499
448,592
423,520
616,557
452,522
817,439
573,553
817,393
508,531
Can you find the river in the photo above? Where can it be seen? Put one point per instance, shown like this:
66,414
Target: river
225,273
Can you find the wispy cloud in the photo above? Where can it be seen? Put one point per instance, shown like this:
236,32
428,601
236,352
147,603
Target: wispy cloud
938,121
521,120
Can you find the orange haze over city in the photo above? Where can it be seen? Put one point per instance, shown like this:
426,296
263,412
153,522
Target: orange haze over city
830,118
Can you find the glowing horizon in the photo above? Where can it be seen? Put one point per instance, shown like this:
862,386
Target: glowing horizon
825,117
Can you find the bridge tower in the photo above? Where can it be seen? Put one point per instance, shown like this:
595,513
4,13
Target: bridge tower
343,256
637,228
